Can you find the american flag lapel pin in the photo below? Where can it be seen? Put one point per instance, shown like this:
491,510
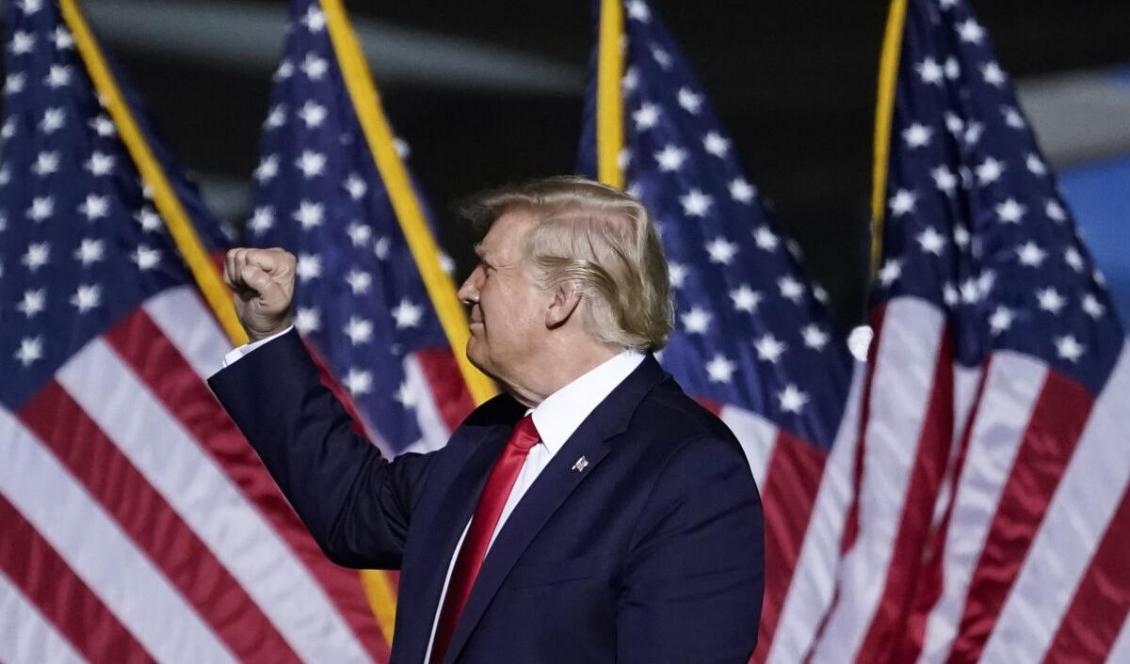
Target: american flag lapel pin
581,464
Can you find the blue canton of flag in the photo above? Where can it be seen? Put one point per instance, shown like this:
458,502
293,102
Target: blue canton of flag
360,300
975,222
750,330
81,244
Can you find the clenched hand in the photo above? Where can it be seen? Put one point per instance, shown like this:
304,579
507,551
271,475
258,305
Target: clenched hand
263,283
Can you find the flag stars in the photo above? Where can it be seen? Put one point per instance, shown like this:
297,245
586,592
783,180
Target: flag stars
720,369
992,73
1001,320
34,302
359,281
661,57
311,163
1068,348
22,42
309,214
46,163
917,135
790,289
57,76
1050,300
1035,165
359,330
970,31
356,186
696,321
638,10
676,274
382,247
276,117
721,250
41,208
954,124
14,83
953,69
690,100
1012,117
950,295
814,337
150,221
145,257
1092,307
646,117
931,241
695,203
716,144
53,120
989,171
29,7
792,400
745,298
1010,211
970,291
930,72
314,19
769,348
670,158
890,272
312,114
268,168
314,67
1074,259
359,234
1031,254
31,349
87,297
1054,211
902,202
90,251
262,219
358,381
407,314
99,164
8,131
284,71
973,131
63,39
405,396
95,207
309,267
742,191
103,126
307,320
961,236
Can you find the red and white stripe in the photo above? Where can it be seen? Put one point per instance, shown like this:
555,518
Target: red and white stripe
142,524
991,513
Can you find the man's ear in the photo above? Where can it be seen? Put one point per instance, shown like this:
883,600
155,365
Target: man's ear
566,299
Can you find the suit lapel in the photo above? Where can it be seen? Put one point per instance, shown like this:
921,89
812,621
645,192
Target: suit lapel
452,515
555,483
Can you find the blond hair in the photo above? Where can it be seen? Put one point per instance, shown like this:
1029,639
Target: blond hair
600,240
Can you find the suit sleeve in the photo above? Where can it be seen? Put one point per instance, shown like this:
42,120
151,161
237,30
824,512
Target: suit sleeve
694,578
356,503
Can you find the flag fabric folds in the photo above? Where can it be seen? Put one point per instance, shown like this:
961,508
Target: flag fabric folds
360,301
138,524
754,340
991,504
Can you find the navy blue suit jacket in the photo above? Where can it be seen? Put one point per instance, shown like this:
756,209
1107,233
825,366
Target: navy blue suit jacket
652,553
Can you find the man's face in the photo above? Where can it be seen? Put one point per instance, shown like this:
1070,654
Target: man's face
508,311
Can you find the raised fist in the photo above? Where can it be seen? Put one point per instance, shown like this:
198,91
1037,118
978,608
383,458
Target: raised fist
263,283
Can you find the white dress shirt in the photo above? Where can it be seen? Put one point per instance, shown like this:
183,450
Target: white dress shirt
556,418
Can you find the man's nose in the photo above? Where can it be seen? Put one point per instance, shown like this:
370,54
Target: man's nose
469,291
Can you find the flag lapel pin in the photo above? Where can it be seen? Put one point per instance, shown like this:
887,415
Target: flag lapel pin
581,464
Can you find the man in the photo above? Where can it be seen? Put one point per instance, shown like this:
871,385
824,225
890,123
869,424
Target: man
593,513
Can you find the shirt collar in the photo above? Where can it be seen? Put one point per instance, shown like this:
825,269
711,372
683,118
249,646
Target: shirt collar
559,415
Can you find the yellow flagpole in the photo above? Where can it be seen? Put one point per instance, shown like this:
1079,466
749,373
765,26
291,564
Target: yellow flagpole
439,285
425,251
609,99
884,113
168,205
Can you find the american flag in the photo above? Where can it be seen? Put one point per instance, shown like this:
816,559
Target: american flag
992,513
754,339
137,522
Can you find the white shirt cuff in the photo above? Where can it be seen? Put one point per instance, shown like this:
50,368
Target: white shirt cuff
236,353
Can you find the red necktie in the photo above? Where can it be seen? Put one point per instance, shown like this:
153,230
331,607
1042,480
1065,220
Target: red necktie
493,499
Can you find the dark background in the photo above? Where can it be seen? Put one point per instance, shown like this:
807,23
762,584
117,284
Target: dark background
794,83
